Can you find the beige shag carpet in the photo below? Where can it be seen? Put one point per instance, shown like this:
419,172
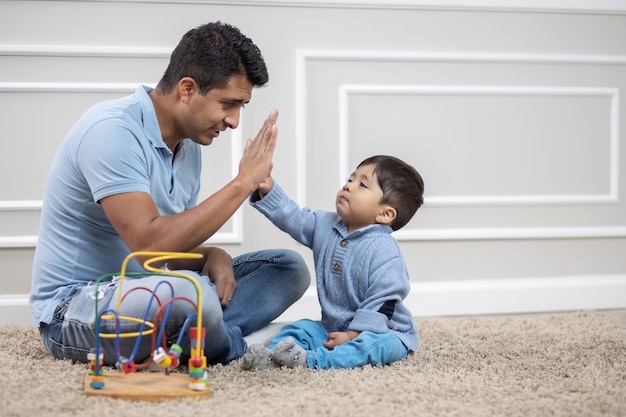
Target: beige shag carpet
565,364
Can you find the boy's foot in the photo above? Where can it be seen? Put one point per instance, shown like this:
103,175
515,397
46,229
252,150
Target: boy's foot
290,354
259,357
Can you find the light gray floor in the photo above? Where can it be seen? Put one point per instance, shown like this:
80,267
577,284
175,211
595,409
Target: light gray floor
619,316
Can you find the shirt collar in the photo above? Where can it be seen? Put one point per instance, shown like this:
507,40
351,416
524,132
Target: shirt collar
342,227
149,118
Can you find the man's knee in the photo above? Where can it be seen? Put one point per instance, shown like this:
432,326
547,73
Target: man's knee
300,273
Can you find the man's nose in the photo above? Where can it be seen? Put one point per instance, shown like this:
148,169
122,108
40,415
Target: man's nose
232,120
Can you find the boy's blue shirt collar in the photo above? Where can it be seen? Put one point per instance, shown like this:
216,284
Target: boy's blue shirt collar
342,228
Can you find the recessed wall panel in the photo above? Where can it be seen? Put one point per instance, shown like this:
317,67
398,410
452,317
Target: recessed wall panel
503,141
484,144
37,124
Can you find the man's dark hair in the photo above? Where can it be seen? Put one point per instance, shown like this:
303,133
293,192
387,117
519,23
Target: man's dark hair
402,185
211,54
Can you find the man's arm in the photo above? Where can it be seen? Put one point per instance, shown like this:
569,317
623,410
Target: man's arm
136,217
137,220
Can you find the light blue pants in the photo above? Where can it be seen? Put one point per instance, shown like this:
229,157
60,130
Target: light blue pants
366,349
268,282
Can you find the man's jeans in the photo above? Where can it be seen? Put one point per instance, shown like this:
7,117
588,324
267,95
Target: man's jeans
268,282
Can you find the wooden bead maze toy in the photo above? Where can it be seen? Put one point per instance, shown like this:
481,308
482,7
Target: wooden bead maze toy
150,386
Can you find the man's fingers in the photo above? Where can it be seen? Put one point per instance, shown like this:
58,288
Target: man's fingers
269,125
266,138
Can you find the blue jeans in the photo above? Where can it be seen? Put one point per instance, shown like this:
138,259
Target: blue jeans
366,349
268,282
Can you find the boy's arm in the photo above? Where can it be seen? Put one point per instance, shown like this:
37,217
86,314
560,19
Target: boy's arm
285,213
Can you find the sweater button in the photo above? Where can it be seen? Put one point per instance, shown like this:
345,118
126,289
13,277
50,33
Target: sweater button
344,243
336,266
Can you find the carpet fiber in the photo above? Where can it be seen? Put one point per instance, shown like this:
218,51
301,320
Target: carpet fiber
565,364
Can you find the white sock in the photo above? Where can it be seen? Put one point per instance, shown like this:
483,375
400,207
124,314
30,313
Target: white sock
259,357
288,353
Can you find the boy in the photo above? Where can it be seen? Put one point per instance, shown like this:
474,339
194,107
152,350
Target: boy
361,274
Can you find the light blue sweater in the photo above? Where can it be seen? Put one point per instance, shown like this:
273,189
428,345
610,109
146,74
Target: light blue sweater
361,277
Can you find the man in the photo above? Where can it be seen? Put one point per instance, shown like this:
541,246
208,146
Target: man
126,179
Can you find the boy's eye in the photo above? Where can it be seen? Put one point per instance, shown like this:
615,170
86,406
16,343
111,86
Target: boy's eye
363,185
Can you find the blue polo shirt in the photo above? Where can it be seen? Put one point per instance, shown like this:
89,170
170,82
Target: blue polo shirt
115,147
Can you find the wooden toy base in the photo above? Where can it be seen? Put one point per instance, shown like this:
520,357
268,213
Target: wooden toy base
146,386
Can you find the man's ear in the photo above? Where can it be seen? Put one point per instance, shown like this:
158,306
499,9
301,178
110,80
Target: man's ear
186,86
386,215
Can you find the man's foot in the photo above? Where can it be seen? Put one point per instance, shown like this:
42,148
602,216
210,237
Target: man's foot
259,357
290,354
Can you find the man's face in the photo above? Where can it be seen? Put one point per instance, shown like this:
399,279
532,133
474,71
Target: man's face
206,116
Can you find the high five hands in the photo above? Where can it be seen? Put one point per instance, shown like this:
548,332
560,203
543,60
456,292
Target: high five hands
256,163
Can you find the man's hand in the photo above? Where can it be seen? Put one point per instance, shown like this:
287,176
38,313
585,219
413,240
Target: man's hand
256,162
218,266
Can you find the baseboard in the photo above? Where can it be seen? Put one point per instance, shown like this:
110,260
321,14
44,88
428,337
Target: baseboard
449,298
14,310
498,296
528,295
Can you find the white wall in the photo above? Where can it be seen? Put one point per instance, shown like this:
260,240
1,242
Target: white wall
509,109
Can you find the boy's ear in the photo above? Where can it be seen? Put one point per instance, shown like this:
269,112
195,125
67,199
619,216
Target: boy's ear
386,215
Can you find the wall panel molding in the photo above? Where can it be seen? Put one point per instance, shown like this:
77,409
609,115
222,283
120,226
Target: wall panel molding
20,205
67,87
304,56
221,237
85,51
14,242
511,233
345,91
538,6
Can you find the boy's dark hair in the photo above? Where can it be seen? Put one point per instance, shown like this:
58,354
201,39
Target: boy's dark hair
211,54
402,185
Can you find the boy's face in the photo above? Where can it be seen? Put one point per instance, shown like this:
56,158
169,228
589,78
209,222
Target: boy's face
358,201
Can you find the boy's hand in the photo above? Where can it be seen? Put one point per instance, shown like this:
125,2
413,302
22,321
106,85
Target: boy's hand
337,338
266,185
